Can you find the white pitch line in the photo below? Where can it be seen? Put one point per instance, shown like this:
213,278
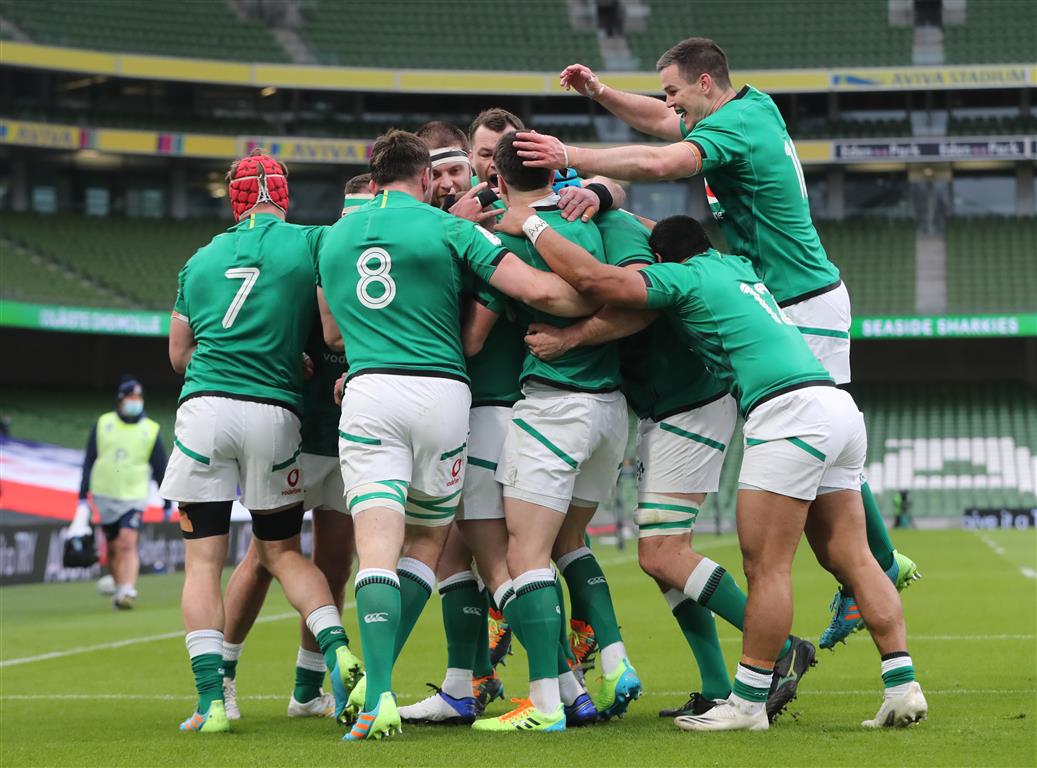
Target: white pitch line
1027,573
405,695
132,641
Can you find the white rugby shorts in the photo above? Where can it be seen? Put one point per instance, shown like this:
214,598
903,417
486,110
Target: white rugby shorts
322,481
563,445
824,322
804,440
411,429
222,444
684,453
487,430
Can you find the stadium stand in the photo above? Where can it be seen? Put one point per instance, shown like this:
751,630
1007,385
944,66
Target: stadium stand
991,126
200,29
877,260
952,446
856,129
995,31
532,35
796,33
991,265
109,252
26,277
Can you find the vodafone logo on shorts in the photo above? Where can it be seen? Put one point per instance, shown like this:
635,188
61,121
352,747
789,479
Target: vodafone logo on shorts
375,618
293,482
455,472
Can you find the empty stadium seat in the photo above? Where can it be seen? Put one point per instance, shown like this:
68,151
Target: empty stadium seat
995,31
991,264
877,260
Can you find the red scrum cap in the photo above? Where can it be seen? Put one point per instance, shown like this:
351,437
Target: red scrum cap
255,179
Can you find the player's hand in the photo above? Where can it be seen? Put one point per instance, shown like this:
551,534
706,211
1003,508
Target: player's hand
513,219
579,78
538,150
546,341
81,522
469,207
578,202
307,366
339,388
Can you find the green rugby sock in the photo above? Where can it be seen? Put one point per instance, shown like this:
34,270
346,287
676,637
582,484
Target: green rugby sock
711,586
700,632
536,605
309,675
205,648
879,543
464,614
589,594
378,607
483,666
416,580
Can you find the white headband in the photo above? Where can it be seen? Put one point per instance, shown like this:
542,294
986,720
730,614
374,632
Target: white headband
448,156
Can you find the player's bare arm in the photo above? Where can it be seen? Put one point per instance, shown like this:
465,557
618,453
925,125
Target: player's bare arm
181,342
643,113
633,163
332,334
542,290
479,321
610,323
595,281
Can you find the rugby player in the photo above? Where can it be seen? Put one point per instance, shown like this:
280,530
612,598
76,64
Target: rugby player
686,420
244,306
561,456
758,194
389,280
332,528
805,449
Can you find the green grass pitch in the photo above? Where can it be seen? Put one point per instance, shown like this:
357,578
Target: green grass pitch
971,620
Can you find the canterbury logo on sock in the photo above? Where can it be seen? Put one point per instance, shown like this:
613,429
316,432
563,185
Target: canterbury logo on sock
595,580
337,631
374,618
471,610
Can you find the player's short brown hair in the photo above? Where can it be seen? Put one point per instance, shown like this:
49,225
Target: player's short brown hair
497,120
437,134
510,166
398,156
357,184
695,56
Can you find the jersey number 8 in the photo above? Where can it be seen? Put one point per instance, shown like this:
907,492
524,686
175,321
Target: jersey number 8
374,265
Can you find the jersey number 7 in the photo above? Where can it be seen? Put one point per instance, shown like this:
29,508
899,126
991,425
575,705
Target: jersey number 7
249,275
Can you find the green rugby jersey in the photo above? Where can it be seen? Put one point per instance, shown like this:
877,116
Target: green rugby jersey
730,318
756,190
583,369
495,371
391,274
319,413
662,376
249,298
624,237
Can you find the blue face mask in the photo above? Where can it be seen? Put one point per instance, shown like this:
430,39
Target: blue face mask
132,408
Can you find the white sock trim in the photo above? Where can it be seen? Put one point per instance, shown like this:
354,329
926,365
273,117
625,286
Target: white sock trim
368,573
699,578
530,577
311,660
752,678
498,596
673,598
232,651
611,656
888,665
325,617
457,683
545,695
203,641
568,558
419,569
457,578
569,688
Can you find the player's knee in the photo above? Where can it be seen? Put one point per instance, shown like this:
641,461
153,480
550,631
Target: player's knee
205,519
650,558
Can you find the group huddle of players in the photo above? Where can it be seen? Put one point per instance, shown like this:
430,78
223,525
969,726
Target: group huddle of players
444,375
